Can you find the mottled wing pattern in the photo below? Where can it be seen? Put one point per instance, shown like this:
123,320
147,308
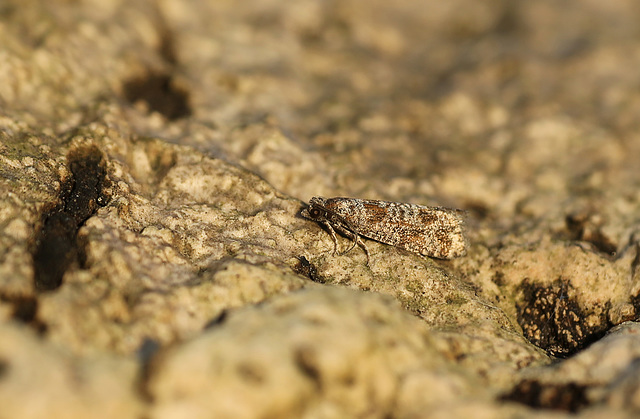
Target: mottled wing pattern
431,231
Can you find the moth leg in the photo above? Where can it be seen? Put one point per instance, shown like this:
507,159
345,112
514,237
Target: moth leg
333,236
350,234
356,241
360,243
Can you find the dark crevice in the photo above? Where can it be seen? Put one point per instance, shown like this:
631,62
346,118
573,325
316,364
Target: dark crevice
217,320
161,94
25,310
570,397
158,88
587,227
56,246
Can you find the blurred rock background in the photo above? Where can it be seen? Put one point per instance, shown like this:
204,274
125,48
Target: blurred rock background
155,155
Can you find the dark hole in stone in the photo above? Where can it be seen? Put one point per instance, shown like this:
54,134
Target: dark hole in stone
56,246
25,309
553,321
602,243
498,279
55,251
218,320
160,93
308,269
582,227
569,397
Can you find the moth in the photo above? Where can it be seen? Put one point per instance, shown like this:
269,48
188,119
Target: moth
435,232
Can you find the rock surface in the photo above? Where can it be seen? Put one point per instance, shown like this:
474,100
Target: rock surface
155,156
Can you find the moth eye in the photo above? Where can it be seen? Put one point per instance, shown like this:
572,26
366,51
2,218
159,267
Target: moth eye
314,212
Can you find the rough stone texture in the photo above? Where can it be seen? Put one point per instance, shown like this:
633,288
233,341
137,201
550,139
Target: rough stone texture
338,353
155,155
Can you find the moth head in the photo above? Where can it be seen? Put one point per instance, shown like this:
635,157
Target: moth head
315,213
315,210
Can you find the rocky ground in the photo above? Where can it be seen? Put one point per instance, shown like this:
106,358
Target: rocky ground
155,157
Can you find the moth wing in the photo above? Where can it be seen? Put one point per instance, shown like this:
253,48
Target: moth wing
431,231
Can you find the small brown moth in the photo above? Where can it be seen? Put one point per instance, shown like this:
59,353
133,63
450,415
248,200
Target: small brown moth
431,231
